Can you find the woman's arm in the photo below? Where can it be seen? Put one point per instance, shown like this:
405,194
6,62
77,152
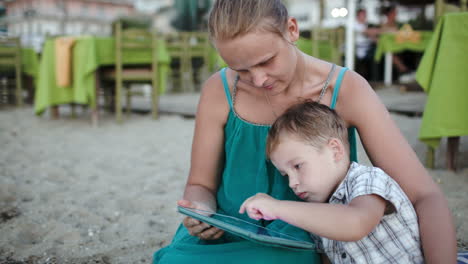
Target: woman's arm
388,149
207,156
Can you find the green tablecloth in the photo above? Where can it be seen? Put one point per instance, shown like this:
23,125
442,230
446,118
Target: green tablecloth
88,54
443,75
387,43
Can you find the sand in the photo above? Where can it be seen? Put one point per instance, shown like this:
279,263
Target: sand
73,193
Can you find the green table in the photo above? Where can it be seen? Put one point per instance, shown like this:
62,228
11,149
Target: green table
442,74
89,53
388,45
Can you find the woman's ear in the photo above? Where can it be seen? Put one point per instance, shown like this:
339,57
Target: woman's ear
337,148
293,29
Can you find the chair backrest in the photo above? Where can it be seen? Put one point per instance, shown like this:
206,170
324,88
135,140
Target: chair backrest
327,44
10,51
198,44
188,44
177,44
10,58
443,7
133,39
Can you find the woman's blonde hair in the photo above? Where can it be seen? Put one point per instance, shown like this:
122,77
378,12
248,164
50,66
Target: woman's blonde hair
231,18
311,122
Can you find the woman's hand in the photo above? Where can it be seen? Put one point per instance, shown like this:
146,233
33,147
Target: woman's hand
260,206
198,228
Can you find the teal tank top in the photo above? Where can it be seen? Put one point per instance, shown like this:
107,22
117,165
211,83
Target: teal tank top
246,168
246,172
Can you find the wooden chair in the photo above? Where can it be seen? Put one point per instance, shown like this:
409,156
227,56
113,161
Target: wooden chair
10,58
177,46
333,37
125,74
198,48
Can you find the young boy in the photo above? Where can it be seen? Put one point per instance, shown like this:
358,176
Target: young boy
359,212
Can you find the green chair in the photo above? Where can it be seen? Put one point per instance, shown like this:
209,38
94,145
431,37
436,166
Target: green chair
125,74
10,66
181,65
187,48
327,44
198,48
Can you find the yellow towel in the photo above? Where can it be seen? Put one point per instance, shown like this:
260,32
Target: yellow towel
407,34
63,60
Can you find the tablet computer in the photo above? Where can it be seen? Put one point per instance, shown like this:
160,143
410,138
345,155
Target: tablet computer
247,230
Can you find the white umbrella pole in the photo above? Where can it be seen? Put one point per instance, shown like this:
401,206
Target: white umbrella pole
349,55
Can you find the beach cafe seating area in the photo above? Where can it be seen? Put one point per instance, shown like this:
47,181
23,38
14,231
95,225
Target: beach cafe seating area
99,72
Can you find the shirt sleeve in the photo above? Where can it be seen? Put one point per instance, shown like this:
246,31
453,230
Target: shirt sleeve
371,180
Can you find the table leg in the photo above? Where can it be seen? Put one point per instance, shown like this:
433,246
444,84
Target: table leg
388,69
55,113
94,107
430,157
451,155
73,110
94,117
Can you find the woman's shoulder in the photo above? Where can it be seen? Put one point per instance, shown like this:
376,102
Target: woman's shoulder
213,97
355,92
214,85
346,80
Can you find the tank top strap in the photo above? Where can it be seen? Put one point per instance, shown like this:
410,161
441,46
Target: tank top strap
336,89
352,130
226,86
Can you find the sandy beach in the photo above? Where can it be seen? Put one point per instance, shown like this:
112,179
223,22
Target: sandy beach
73,193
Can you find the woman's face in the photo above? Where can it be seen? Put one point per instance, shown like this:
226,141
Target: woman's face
263,59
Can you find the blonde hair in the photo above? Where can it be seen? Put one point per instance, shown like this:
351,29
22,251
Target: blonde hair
311,122
231,18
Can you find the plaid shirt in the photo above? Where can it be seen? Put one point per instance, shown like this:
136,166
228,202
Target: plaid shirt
395,239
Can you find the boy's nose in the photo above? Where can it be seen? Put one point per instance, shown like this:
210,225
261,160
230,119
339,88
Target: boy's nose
293,183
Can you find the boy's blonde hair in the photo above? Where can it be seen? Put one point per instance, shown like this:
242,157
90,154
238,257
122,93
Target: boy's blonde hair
231,18
311,122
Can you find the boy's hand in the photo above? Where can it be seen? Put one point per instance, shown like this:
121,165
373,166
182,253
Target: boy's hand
260,206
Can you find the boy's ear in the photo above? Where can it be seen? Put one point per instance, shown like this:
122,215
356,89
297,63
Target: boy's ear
337,148
293,29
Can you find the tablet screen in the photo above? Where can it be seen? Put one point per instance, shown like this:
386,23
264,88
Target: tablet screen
246,229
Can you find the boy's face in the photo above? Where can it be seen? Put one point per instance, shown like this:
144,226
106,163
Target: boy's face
313,174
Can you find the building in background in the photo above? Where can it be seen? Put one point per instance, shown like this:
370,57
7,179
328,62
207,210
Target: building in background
307,12
3,24
33,20
161,11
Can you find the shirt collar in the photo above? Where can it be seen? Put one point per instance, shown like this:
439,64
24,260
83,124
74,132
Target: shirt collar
340,192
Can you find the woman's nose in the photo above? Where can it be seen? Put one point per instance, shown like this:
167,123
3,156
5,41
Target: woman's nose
258,78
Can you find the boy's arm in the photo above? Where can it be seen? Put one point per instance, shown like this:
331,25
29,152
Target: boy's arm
349,222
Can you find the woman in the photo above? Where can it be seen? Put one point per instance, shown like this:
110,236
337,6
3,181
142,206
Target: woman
266,75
